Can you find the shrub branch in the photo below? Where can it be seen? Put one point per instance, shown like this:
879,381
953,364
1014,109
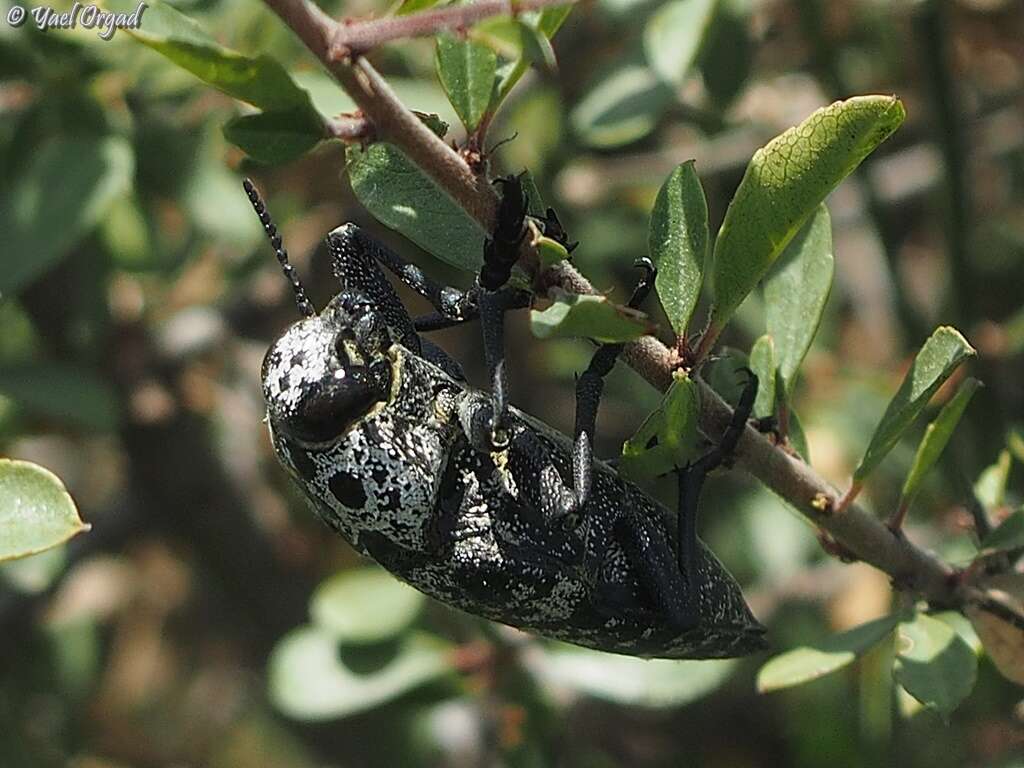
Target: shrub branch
855,531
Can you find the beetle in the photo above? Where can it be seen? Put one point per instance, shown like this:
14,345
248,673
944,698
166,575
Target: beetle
465,497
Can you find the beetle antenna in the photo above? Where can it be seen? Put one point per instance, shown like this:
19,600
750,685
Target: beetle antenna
301,300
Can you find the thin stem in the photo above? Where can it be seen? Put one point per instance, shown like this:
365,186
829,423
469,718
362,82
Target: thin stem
854,529
356,37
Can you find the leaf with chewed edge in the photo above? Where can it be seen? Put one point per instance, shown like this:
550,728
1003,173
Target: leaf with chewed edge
762,363
668,436
934,663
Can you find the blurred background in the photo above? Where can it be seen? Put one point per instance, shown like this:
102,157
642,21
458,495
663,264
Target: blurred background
208,619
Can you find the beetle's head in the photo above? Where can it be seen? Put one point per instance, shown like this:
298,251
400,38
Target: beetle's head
328,370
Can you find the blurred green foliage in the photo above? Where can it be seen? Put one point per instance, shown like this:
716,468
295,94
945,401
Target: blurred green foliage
137,296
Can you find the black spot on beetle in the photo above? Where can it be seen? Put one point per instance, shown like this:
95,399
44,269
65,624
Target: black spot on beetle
348,489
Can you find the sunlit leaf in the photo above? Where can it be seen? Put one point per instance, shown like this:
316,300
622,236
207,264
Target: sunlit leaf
404,198
795,292
762,363
938,358
678,244
934,663
655,683
674,35
365,605
64,192
411,6
551,19
466,70
784,184
36,512
589,316
621,108
936,437
257,80
311,677
808,663
991,485
668,436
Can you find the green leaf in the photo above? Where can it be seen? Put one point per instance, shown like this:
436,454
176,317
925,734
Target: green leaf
36,512
795,292
938,358
672,427
589,316
64,192
401,196
934,663
674,35
411,6
654,683
990,487
61,391
801,665
551,19
797,437
727,53
365,605
257,80
537,47
678,244
784,183
274,138
762,363
936,437
1008,535
466,70
621,108
309,679
550,252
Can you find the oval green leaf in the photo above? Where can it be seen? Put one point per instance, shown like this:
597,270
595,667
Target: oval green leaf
727,53
936,436
801,665
402,197
621,108
795,292
934,663
588,316
466,70
668,437
762,363
654,683
64,392
678,244
365,605
72,182
274,138
674,36
783,185
36,512
938,358
309,679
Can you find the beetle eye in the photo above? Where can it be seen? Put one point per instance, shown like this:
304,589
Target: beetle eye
329,412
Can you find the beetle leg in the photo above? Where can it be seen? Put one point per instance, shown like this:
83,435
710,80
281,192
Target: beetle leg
691,477
648,550
589,387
